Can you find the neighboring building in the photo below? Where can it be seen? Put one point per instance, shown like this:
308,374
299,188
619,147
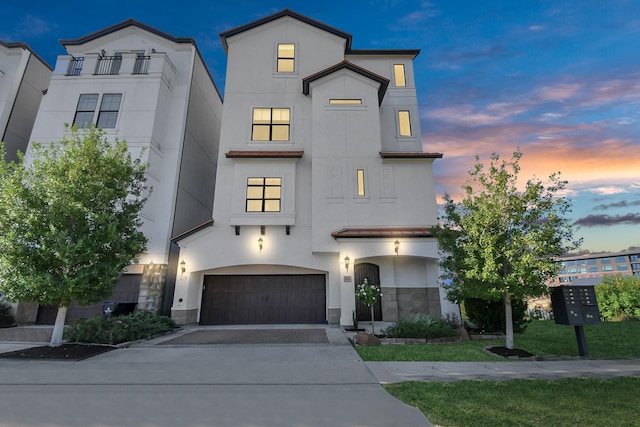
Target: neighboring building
24,77
154,91
591,268
321,182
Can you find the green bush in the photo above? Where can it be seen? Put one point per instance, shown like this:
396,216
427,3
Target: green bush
420,326
487,317
619,297
6,318
116,330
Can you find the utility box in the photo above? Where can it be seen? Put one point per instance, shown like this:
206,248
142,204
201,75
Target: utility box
575,305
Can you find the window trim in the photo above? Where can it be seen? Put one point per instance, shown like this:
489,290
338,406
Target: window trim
97,110
270,125
92,111
399,70
401,123
360,183
103,109
264,196
288,59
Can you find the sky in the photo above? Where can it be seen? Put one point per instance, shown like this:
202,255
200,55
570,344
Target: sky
558,80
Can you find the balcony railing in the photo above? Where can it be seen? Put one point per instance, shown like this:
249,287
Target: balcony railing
109,65
141,66
75,66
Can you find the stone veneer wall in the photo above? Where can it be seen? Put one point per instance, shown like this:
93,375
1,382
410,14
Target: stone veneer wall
154,279
333,316
399,303
185,317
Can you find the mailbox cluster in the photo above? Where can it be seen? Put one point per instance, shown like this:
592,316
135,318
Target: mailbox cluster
575,305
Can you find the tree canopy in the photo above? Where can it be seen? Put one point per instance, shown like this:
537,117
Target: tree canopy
501,242
69,219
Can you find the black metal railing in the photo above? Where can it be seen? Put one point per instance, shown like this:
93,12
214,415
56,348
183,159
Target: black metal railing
109,65
75,66
141,65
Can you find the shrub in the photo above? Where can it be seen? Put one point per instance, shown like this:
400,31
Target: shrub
6,318
420,326
488,316
619,297
116,330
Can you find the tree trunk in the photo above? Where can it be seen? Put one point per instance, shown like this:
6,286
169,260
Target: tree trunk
58,327
373,329
508,320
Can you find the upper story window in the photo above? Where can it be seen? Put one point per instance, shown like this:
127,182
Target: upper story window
264,194
107,115
404,123
398,75
270,124
286,58
343,101
360,182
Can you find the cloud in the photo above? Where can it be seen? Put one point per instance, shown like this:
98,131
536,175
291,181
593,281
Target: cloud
621,204
607,191
608,220
32,26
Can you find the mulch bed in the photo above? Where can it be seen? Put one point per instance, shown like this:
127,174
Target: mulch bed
68,352
510,353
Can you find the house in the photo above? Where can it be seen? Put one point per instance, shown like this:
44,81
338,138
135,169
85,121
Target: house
321,182
154,91
24,77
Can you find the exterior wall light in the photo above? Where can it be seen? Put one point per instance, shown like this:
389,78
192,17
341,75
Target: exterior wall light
260,244
183,267
396,245
346,262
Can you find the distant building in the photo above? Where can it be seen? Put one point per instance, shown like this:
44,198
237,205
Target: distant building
24,78
591,268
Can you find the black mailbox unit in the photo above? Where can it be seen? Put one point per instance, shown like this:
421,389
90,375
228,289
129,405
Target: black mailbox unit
575,305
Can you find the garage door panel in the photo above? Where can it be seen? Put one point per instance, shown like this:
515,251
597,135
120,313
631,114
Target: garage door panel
263,299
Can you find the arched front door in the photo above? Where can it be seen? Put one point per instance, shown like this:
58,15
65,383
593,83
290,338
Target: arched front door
372,273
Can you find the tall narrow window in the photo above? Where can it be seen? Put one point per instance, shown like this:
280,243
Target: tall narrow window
286,58
360,180
270,124
85,110
109,108
398,75
264,194
404,123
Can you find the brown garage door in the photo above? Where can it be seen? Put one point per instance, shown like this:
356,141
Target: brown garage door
263,299
126,289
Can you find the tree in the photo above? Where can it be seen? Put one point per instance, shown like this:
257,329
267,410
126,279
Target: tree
369,294
500,243
69,222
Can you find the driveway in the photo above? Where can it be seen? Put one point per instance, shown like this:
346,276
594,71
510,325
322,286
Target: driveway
168,382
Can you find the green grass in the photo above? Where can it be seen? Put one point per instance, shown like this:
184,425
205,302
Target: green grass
608,340
568,402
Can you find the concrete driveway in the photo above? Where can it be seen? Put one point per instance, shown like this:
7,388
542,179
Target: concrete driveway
157,383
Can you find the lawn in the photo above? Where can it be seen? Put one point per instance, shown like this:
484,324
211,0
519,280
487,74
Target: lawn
566,402
608,340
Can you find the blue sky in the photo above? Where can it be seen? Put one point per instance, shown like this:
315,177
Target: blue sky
558,79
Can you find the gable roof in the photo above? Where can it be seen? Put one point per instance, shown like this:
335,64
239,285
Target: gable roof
286,12
124,24
346,65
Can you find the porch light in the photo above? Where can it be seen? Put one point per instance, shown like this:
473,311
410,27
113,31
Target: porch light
183,267
396,245
260,244
346,262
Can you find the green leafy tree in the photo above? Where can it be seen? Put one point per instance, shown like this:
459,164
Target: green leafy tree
619,297
500,242
69,222
369,293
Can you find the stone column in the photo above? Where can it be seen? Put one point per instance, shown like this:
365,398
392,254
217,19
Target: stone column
154,278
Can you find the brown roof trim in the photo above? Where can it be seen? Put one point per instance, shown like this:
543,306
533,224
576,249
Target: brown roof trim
259,154
403,52
286,12
401,155
384,82
124,24
11,45
383,232
189,232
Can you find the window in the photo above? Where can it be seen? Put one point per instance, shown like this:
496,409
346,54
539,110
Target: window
334,101
263,194
605,261
404,124
85,110
286,58
634,257
109,110
398,75
635,266
622,267
270,124
591,261
607,268
360,180
593,269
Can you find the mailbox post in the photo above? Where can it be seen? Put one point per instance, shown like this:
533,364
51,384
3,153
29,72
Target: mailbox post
577,306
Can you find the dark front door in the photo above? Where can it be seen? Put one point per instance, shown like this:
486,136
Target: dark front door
372,273
258,299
